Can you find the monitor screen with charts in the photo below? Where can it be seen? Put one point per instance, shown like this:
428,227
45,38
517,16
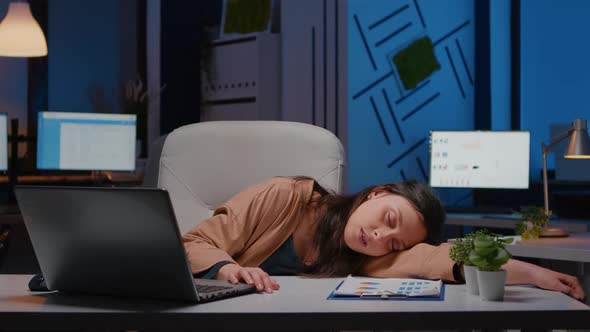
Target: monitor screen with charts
3,142
86,141
479,159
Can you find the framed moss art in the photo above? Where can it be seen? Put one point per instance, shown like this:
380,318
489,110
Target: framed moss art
245,17
415,62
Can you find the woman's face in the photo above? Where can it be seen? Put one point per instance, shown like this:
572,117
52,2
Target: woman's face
385,222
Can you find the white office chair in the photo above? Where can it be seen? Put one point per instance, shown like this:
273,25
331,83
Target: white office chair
202,165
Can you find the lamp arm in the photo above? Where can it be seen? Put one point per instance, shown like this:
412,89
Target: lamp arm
561,137
547,149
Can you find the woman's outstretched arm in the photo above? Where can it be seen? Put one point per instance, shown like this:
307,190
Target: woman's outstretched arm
433,262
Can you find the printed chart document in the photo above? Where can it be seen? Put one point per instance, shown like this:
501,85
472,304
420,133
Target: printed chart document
386,288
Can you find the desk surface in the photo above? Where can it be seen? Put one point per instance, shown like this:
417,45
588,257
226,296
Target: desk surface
300,305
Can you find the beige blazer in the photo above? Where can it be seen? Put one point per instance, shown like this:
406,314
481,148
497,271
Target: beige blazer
254,223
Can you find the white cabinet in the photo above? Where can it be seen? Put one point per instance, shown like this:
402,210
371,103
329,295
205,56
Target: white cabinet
244,81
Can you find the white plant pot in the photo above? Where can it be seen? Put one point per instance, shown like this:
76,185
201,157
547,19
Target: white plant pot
491,285
471,279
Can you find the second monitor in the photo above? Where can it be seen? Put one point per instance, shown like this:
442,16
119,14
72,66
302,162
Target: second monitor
480,159
86,141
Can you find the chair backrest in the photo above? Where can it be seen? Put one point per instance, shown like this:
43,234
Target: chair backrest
202,165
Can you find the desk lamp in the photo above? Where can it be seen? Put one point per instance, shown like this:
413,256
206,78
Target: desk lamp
578,148
20,34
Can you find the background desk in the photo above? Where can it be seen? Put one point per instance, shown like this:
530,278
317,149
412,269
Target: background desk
508,222
575,248
300,305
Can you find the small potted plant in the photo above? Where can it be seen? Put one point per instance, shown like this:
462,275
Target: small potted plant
488,255
136,97
534,219
460,255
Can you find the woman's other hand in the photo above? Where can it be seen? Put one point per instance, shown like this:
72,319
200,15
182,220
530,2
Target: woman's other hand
235,273
519,272
552,280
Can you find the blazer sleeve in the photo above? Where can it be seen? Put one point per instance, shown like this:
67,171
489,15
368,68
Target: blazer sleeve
240,222
421,261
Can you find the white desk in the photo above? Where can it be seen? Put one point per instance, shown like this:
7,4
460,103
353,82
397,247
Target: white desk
509,221
300,305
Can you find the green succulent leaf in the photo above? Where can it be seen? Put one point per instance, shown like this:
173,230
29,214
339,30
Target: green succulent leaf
485,251
502,256
476,259
482,242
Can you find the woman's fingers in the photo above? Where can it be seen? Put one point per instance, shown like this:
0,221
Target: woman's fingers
266,281
561,287
566,284
233,279
262,280
269,284
244,275
250,275
577,292
575,288
258,282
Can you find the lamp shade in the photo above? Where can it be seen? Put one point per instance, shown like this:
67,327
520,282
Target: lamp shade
20,34
579,146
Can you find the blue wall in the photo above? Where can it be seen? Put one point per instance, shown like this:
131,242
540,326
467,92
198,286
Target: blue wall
554,69
500,67
84,45
386,143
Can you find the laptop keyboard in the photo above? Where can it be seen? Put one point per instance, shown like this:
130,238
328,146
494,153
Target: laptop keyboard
210,289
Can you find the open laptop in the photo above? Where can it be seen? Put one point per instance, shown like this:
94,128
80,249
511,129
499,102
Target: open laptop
113,241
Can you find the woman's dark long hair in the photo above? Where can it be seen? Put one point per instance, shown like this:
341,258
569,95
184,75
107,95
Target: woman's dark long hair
334,258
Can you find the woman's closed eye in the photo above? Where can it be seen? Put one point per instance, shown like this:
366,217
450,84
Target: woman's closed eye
391,243
391,219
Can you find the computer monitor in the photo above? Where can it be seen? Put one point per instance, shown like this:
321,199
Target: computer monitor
86,141
3,142
479,159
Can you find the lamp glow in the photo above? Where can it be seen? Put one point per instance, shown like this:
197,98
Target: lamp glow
20,34
578,148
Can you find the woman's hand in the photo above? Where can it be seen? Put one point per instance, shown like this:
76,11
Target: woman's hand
548,279
519,272
250,275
